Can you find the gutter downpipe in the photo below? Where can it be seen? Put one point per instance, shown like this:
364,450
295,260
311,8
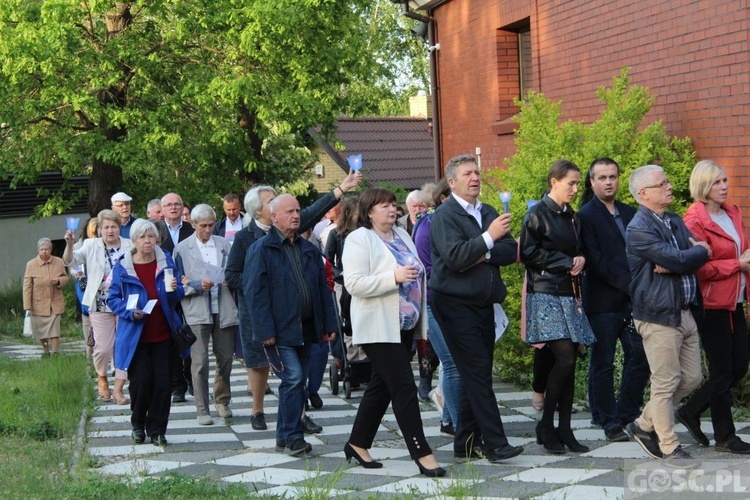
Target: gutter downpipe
431,37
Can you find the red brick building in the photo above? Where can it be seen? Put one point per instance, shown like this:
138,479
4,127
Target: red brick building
692,55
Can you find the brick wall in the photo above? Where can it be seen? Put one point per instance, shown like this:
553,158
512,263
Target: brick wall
693,55
332,173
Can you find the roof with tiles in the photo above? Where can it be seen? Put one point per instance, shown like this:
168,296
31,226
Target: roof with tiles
397,150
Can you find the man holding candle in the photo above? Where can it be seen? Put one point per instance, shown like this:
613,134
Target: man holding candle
470,241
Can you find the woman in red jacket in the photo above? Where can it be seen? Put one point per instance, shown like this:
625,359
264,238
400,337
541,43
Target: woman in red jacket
724,287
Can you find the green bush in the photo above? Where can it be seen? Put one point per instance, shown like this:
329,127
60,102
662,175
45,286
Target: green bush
543,137
12,300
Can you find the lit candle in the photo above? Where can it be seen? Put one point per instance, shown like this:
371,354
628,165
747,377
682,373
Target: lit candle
505,198
355,162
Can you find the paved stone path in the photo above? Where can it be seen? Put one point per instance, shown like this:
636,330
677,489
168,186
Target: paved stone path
231,451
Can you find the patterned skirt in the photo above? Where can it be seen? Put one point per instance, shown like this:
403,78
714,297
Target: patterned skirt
549,317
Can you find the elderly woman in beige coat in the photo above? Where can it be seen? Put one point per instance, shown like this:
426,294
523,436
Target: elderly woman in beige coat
42,295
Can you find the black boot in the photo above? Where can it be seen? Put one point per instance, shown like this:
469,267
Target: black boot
547,437
568,439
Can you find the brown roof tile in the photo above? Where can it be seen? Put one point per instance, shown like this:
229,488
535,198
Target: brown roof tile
395,149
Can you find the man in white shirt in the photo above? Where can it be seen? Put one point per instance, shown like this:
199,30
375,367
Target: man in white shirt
231,223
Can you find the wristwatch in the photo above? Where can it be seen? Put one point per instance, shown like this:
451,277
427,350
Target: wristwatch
487,255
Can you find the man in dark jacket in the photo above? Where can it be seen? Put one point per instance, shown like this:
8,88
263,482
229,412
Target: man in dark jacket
288,297
663,258
606,299
469,243
171,204
231,223
256,363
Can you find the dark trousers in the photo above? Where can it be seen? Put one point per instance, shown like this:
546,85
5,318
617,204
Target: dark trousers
725,339
469,332
606,410
392,381
181,372
150,388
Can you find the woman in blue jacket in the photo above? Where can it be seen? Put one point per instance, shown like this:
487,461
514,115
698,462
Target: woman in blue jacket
143,342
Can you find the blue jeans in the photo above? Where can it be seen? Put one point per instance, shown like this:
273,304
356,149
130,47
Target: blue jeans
608,411
451,379
318,364
291,365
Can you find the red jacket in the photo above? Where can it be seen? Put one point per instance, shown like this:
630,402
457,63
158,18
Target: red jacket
719,277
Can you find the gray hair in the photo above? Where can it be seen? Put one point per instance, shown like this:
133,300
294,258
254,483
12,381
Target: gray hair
161,227
43,241
413,196
275,202
202,211
153,203
639,178
141,227
175,194
253,202
107,214
427,194
453,163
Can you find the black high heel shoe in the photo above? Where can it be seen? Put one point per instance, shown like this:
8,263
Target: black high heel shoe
547,437
567,438
351,453
436,472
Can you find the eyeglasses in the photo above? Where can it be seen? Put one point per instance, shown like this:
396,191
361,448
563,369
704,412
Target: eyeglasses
171,205
661,185
122,204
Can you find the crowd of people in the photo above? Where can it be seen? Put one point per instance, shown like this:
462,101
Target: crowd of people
260,286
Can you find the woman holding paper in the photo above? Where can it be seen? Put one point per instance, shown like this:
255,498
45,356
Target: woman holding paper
144,295
100,255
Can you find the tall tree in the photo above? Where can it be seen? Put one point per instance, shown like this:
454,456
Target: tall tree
202,97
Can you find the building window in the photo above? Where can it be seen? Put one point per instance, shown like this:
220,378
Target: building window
515,71
525,62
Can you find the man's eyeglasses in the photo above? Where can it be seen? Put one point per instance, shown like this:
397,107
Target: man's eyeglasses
121,204
172,205
661,185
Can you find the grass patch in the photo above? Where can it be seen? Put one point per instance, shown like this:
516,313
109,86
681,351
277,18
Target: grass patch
41,402
40,406
42,399
12,313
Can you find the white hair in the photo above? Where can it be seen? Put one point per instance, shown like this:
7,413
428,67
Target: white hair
639,178
202,211
415,195
253,202
275,202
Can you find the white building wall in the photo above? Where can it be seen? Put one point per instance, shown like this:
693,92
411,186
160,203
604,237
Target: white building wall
18,239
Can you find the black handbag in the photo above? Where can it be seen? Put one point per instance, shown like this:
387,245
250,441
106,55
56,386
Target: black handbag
183,336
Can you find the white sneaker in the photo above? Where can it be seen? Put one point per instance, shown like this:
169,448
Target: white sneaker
205,420
224,410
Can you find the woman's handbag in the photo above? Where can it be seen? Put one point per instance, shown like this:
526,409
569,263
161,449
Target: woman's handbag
27,324
183,336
